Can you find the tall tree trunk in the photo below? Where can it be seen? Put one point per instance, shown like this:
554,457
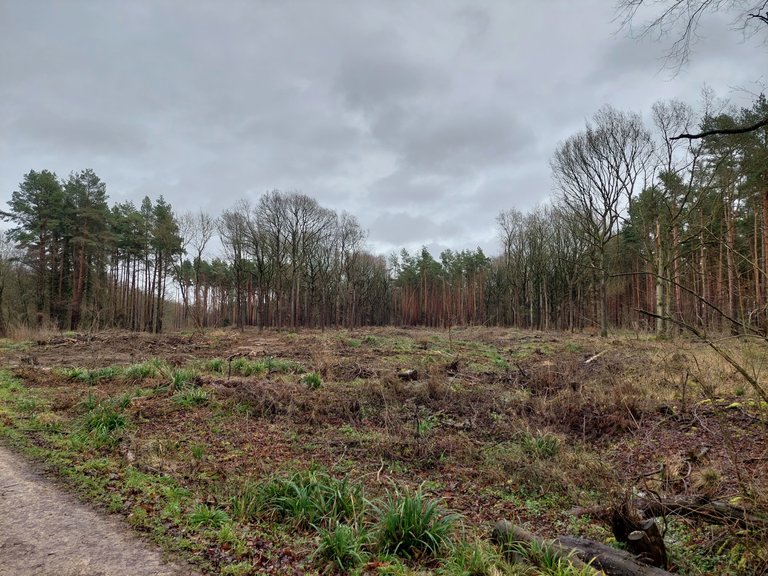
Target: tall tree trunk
730,259
764,262
603,298
77,295
660,283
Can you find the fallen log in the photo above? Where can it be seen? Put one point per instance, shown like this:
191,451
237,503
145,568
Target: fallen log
611,561
506,534
711,511
583,554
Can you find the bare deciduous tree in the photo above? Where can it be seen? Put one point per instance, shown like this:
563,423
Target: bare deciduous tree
681,19
196,231
596,173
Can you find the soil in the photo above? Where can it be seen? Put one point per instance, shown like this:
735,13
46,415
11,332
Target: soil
45,531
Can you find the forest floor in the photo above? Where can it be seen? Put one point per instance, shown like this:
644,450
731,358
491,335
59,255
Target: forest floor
181,433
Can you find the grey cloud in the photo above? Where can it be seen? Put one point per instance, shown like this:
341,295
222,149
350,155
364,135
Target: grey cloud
378,78
47,130
402,228
424,119
458,139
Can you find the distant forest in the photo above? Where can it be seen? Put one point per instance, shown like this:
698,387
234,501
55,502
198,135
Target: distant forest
645,231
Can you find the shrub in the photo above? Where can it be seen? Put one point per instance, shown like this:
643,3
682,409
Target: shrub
412,525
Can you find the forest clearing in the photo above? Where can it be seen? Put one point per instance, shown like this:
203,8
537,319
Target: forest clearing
290,452
338,310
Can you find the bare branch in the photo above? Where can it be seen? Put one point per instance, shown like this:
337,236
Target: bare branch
723,131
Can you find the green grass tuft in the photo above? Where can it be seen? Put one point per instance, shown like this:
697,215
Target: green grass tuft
540,445
312,380
341,546
412,526
312,498
182,378
190,397
143,370
208,517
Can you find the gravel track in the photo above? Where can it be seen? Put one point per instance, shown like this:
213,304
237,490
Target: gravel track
46,532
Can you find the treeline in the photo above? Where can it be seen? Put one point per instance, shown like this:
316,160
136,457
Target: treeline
645,231
76,260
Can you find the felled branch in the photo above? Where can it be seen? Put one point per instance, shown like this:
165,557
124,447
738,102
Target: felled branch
711,511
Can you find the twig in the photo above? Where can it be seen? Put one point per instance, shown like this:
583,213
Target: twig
596,356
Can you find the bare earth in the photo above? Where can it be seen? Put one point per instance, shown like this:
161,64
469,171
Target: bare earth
46,532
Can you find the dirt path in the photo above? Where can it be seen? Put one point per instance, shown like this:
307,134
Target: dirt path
46,532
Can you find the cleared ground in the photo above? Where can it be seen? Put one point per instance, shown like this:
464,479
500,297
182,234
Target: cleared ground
169,430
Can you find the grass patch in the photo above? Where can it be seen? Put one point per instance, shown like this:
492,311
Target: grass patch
412,526
190,398
102,424
549,562
342,547
352,342
182,378
91,376
474,558
215,365
540,445
312,380
246,367
530,442
312,498
206,516
143,370
281,366
8,344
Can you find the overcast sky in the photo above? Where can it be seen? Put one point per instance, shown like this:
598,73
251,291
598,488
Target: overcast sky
424,118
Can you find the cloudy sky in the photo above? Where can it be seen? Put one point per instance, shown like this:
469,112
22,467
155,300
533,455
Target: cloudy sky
423,118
